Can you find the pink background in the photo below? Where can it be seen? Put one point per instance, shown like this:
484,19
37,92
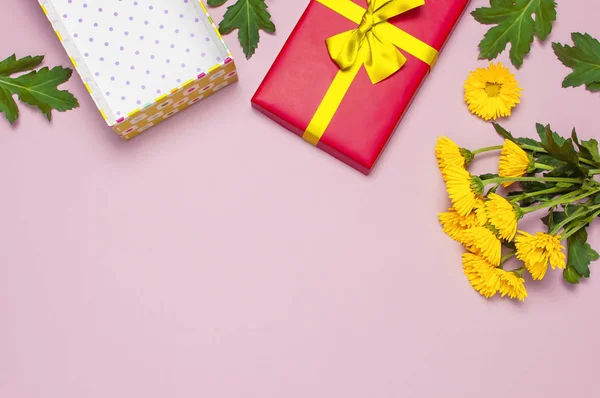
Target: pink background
218,255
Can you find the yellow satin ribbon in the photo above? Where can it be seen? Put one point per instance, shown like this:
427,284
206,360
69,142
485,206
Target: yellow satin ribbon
374,44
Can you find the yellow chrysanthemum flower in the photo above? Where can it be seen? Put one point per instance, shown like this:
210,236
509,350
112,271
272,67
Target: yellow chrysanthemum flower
481,275
503,216
481,213
483,242
492,92
448,153
464,190
454,225
536,251
514,162
511,285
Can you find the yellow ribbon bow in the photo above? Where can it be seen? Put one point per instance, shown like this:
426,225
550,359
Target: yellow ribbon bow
369,42
374,44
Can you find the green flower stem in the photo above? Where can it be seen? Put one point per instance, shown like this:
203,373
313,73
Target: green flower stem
565,199
541,166
594,172
542,150
486,149
566,235
580,212
499,180
507,257
539,193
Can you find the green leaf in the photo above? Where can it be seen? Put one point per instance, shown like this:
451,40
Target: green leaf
549,160
587,149
488,176
248,16
594,87
533,186
514,25
565,151
583,58
36,88
553,218
503,132
216,3
13,65
541,130
571,276
527,141
564,170
581,253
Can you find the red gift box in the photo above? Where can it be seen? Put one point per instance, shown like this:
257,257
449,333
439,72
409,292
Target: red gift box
368,114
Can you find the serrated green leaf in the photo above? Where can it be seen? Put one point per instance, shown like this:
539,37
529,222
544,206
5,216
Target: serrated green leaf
36,88
503,132
527,141
581,253
593,87
570,275
553,218
587,149
12,65
583,58
533,186
564,170
549,160
8,106
216,3
248,16
565,151
541,130
514,25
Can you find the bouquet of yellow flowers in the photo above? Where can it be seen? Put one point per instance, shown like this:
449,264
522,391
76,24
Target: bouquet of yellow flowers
555,175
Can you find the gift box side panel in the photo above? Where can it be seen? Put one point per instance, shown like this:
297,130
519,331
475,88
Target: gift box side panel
368,114
75,56
190,93
113,24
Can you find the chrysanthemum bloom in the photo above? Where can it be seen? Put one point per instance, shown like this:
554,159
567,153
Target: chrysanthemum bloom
447,153
492,92
511,285
464,189
483,242
536,251
481,274
453,224
514,162
503,215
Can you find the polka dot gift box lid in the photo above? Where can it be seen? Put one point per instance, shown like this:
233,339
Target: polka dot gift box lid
142,60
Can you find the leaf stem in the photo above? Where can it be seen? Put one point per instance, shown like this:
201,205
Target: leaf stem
542,150
538,193
565,199
507,257
486,149
594,172
580,212
578,226
532,179
543,166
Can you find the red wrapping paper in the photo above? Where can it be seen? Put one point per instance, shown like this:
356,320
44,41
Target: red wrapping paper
368,115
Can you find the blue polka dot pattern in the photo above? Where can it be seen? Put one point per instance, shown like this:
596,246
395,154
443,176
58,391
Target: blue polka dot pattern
130,53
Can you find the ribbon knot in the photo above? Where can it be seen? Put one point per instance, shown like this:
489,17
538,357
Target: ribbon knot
369,44
366,24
